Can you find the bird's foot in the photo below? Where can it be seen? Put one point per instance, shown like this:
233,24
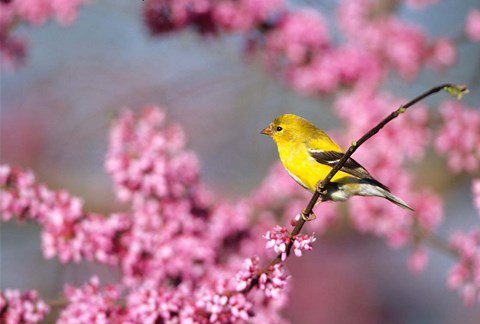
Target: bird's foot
308,217
321,189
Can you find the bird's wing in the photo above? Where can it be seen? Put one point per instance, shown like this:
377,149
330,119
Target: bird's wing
351,167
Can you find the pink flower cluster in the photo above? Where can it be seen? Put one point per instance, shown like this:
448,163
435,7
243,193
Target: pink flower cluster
36,12
405,138
21,307
297,45
33,12
279,238
67,231
472,27
273,281
407,48
147,160
171,211
251,269
459,136
208,17
465,274
476,194
179,304
176,247
91,304
418,4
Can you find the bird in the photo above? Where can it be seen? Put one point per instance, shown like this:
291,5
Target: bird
308,154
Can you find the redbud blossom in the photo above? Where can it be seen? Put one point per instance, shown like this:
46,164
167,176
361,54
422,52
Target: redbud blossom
279,237
465,274
33,12
476,194
472,26
21,307
91,304
273,280
459,136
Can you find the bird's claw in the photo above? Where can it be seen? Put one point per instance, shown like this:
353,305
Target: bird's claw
320,189
308,217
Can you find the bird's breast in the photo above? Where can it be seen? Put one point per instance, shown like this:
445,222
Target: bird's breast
302,167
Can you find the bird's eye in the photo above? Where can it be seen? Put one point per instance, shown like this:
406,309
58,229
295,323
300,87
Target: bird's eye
279,128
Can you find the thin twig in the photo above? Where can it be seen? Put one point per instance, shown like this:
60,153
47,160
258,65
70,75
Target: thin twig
441,245
455,90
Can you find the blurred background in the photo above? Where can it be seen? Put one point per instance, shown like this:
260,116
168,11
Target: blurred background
56,112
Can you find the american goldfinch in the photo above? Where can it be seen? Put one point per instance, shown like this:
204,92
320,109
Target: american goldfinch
308,155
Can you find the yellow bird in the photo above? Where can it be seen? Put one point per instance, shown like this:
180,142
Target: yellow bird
308,154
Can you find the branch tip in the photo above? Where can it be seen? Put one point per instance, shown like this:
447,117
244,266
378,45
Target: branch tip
457,90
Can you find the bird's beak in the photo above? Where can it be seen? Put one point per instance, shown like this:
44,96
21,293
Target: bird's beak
266,131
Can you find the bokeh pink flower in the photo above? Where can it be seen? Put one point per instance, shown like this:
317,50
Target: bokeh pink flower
459,137
472,26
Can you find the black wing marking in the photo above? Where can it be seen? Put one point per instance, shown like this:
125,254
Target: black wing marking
352,167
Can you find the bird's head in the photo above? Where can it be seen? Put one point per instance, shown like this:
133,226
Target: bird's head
287,127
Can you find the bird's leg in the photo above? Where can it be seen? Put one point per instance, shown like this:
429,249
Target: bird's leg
321,190
308,217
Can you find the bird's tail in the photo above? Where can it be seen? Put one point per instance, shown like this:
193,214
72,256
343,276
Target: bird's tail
375,188
388,195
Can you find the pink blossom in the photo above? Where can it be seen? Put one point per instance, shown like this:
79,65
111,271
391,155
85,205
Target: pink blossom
91,304
176,233
465,274
21,307
352,15
418,260
298,37
66,10
428,210
472,26
476,194
419,4
150,305
407,47
443,54
403,138
296,43
278,238
88,236
273,281
459,136
146,158
231,16
37,12
380,217
302,242
224,309
166,15
251,267
34,12
246,14
263,10
67,231
12,51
